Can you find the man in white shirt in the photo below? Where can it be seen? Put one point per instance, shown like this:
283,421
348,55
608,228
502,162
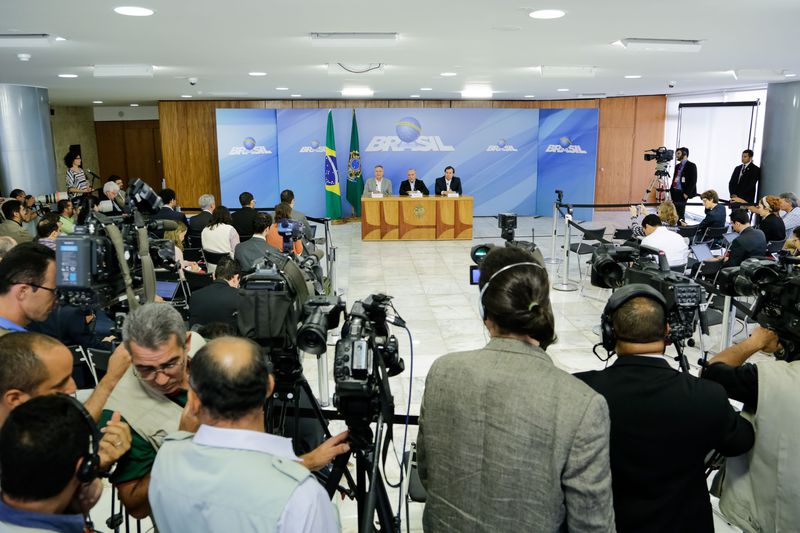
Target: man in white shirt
231,475
669,242
791,216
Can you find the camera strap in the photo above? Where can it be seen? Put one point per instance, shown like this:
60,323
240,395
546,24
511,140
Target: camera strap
387,405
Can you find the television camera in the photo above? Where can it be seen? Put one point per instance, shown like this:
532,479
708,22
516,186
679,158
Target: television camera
615,266
507,222
662,157
776,286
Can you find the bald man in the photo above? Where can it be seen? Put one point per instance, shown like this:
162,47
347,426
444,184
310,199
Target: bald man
242,477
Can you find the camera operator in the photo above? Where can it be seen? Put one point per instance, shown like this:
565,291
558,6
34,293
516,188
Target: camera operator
759,489
660,238
48,467
111,191
283,213
684,183
66,212
219,301
230,467
507,441
152,394
656,407
36,365
15,215
251,251
310,247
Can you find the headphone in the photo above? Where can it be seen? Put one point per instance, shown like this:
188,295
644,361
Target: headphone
617,300
90,466
482,309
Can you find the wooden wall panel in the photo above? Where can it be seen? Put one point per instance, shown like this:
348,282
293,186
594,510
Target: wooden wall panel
628,125
649,133
111,147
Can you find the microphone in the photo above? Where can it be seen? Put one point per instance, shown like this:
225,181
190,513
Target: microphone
92,173
165,225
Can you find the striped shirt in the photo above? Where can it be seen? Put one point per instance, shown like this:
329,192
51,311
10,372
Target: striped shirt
76,180
791,220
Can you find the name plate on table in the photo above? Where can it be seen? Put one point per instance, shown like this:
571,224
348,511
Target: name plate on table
415,194
452,195
377,195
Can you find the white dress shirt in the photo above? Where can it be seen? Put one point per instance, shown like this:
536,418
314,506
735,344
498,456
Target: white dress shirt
669,242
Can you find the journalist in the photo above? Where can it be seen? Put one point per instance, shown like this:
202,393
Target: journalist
251,251
15,215
663,422
243,478
715,213
27,286
759,489
669,242
219,301
508,442
242,220
283,213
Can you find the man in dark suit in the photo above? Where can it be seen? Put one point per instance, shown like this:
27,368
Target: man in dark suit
168,210
243,218
751,242
663,422
744,180
413,184
249,252
684,183
199,221
219,302
448,183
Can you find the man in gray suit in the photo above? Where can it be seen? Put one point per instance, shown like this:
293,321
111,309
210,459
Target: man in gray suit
377,184
508,442
251,251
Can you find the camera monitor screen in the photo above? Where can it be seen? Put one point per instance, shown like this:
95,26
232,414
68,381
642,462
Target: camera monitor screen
474,274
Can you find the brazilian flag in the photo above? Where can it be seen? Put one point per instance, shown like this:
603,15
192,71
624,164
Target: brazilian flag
333,195
355,184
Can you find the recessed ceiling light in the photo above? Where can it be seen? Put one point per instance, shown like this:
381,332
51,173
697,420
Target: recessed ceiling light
790,75
426,88
281,88
60,39
476,91
186,96
530,96
357,91
562,90
413,96
296,95
256,73
133,11
134,105
97,101
546,14
448,74
24,57
67,75
633,76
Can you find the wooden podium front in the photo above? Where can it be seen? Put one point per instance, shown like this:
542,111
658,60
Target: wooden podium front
427,218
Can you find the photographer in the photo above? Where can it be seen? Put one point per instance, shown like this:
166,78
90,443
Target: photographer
759,489
251,251
231,467
66,212
283,213
15,215
654,406
507,441
27,286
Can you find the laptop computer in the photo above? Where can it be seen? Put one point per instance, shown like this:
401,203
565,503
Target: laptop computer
701,251
730,237
167,289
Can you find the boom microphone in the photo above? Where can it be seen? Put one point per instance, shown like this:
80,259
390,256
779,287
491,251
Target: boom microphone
165,225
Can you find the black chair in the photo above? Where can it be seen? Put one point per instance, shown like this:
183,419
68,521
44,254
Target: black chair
194,254
197,280
688,232
623,234
194,241
213,258
590,240
712,235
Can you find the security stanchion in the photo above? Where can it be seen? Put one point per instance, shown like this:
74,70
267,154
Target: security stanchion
553,260
566,285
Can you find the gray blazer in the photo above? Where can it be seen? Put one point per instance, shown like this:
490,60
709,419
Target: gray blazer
509,443
250,251
371,186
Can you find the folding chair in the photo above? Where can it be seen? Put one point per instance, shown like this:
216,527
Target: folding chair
688,232
590,240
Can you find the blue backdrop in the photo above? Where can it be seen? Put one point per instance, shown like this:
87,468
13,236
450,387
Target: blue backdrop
508,159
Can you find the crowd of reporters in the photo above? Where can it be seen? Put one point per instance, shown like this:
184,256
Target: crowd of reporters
507,441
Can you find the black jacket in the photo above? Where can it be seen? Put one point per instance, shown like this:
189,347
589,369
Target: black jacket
441,185
663,424
688,179
419,185
773,227
165,213
198,222
219,302
715,218
243,221
745,187
750,243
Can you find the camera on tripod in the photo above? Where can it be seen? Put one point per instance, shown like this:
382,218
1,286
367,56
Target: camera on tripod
366,356
776,286
662,157
615,266
108,259
507,222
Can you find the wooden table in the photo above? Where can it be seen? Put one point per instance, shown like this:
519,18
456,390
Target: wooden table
426,218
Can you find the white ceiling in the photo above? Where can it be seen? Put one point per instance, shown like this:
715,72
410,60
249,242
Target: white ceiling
490,41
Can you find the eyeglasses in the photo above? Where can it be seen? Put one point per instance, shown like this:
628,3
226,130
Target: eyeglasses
149,373
53,290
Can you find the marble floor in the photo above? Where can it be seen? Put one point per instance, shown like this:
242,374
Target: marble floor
429,283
